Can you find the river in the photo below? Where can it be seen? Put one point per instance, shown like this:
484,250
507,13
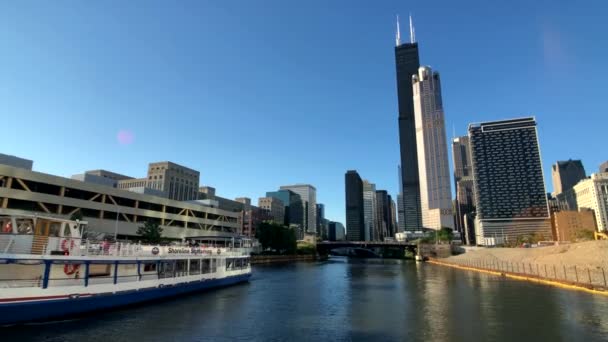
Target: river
349,300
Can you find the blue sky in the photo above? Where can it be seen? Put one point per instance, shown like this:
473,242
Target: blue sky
257,94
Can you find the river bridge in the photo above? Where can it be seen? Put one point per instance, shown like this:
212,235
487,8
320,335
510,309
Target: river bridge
324,247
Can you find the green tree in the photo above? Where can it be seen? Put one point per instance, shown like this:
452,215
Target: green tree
276,238
150,232
443,235
446,234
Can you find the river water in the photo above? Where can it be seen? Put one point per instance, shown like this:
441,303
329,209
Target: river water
350,300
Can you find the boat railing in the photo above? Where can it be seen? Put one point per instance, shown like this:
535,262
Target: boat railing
14,283
67,246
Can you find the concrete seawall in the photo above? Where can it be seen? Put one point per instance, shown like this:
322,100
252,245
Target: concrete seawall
594,289
279,259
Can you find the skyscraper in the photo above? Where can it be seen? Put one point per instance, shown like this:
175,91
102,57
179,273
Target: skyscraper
383,213
394,228
433,165
294,209
321,221
308,193
355,224
510,196
565,175
335,231
369,209
400,206
407,63
463,182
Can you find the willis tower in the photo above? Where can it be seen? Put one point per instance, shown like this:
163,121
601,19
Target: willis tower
407,62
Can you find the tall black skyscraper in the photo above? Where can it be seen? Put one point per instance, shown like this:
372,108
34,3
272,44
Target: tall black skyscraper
355,224
510,196
407,62
383,207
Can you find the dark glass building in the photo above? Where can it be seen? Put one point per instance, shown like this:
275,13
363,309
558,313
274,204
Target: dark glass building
407,64
355,224
294,213
566,174
510,197
383,213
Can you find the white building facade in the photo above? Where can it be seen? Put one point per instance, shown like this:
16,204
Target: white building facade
592,193
433,165
369,210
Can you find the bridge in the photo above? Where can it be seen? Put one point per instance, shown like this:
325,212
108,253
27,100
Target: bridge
387,247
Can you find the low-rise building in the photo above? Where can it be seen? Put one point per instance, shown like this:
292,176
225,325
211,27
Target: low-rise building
108,210
572,225
13,161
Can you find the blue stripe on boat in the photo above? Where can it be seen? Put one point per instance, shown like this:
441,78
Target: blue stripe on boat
12,313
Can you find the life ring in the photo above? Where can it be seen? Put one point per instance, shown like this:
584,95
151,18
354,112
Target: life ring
64,245
218,251
8,228
70,269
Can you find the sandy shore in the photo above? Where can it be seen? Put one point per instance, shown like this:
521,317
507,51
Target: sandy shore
590,254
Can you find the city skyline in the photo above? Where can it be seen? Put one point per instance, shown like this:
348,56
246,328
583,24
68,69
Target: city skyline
129,103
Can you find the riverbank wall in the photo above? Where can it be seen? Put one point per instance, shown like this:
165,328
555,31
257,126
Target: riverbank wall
281,259
589,285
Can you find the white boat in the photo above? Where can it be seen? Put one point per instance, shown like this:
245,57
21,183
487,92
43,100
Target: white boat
47,271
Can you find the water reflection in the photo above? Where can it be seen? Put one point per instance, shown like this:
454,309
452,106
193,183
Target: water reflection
351,300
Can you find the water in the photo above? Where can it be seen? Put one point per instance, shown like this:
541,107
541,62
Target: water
342,300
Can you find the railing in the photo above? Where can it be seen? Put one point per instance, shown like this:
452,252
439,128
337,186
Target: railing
13,283
591,276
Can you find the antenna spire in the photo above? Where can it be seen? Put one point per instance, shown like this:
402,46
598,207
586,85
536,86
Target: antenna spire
412,31
398,37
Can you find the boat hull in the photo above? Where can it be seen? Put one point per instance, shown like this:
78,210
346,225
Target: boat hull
45,308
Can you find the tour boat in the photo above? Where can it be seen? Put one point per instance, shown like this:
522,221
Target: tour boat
47,271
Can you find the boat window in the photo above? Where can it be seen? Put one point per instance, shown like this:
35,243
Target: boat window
21,275
229,264
213,265
150,267
166,269
25,227
195,266
66,230
54,229
181,268
206,265
99,270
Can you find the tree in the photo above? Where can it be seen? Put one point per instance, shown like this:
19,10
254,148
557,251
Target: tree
446,234
443,235
277,238
150,232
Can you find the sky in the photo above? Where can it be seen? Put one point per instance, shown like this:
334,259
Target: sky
259,94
